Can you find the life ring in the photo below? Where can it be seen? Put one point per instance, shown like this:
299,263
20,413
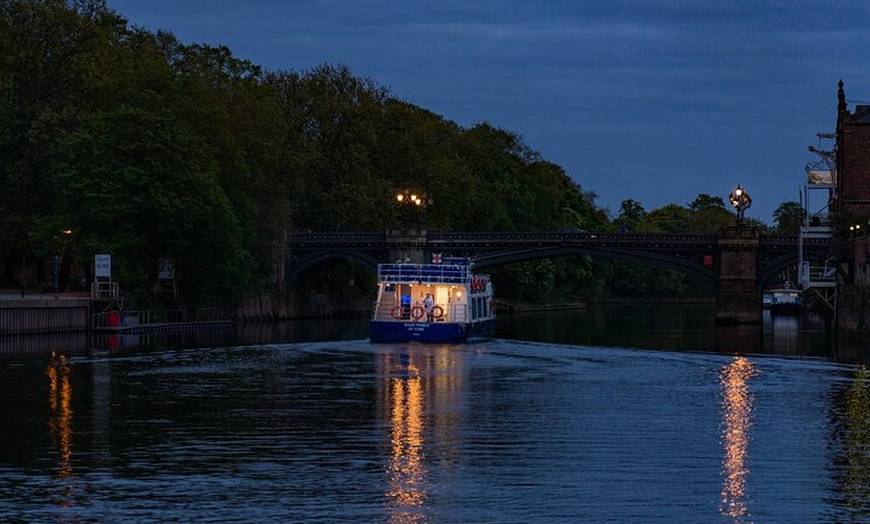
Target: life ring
437,312
417,312
397,312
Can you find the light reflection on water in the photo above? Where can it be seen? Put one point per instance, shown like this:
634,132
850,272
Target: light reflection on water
407,469
60,424
737,402
500,432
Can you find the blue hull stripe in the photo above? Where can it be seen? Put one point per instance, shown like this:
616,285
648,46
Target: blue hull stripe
430,332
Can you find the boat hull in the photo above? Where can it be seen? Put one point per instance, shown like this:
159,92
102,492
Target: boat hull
788,308
431,332
786,302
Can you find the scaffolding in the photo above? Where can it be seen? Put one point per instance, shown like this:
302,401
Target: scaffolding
819,278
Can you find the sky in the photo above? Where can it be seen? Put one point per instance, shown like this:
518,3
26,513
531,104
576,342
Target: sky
656,101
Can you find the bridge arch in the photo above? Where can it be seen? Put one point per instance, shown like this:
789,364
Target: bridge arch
774,266
298,267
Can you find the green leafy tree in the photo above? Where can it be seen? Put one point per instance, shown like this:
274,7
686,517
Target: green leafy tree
671,218
631,215
141,185
332,120
708,214
53,57
787,218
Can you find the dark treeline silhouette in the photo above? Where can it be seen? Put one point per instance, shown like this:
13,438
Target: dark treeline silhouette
115,139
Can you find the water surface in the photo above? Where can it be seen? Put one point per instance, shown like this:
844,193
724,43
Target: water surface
508,431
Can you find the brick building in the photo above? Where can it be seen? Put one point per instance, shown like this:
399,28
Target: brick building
853,159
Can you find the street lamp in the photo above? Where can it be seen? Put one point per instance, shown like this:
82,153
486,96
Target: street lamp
741,201
67,233
412,200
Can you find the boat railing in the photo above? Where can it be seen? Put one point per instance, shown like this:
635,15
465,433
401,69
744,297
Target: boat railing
449,312
424,273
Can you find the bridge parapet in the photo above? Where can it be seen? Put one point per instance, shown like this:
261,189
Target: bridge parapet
740,262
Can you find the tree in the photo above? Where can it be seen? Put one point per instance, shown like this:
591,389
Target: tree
708,214
631,215
787,218
139,184
671,218
53,57
705,202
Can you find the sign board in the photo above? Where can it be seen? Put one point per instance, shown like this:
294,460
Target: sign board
103,266
166,269
821,177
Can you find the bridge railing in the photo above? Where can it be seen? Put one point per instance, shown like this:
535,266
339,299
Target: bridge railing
560,236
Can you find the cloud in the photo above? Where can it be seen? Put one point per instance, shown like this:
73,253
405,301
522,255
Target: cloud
680,94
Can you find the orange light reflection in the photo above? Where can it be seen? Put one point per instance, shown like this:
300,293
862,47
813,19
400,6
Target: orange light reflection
737,402
407,470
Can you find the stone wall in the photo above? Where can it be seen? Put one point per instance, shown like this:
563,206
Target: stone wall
269,306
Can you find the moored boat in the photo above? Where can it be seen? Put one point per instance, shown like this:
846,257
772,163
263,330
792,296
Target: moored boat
444,301
786,301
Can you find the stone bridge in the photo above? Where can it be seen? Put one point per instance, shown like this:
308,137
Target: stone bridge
738,262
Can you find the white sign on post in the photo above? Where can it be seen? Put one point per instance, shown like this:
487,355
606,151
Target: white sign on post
103,266
167,269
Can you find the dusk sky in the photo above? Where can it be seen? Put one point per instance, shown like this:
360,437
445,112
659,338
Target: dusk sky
656,100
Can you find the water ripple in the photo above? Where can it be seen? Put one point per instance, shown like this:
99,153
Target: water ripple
497,432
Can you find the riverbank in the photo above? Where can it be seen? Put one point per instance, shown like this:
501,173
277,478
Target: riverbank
43,313
663,300
514,307
511,308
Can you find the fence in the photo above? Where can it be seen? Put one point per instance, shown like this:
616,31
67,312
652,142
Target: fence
151,317
24,317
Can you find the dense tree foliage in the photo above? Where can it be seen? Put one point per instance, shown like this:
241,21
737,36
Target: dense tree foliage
140,146
145,148
787,218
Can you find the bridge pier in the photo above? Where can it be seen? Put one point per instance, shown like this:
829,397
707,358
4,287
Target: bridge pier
738,300
407,245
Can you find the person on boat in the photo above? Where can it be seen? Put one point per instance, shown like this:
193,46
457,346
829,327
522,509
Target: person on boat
428,305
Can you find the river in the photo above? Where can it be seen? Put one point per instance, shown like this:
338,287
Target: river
619,414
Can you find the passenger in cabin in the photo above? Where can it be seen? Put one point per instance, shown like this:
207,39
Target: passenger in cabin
428,304
406,307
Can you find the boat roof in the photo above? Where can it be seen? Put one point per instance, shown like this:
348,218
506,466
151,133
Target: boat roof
452,270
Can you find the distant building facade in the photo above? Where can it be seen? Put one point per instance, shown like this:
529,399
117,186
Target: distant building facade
852,158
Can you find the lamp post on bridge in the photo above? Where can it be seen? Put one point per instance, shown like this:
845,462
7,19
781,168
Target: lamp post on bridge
408,244
741,201
738,299
411,201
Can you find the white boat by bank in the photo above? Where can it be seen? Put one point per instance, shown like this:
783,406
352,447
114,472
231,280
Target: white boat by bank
786,301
